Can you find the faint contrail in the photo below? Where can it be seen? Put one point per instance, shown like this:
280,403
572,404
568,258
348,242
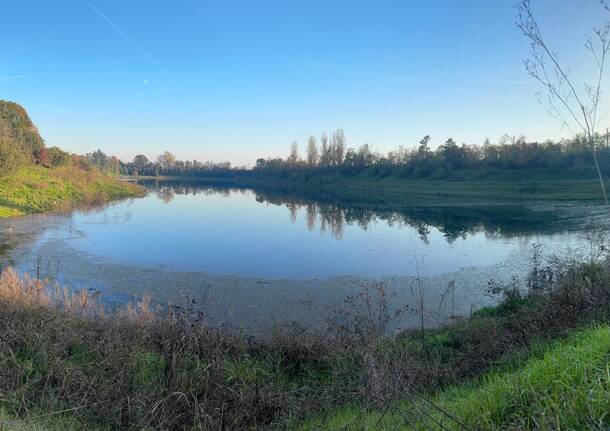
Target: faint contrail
124,35
135,45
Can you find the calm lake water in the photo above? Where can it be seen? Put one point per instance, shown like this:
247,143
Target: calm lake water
256,257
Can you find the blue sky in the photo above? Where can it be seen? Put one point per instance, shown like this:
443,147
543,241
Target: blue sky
235,80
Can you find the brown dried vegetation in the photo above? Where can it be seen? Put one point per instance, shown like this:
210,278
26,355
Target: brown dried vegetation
133,369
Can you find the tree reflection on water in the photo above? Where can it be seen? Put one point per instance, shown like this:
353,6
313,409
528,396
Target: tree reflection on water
331,216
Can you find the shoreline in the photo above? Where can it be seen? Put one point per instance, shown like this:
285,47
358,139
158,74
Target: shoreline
256,303
256,300
404,191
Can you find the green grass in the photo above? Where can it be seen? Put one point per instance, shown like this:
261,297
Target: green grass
397,190
563,385
460,187
36,189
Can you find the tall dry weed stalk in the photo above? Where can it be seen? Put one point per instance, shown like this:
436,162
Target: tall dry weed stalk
23,290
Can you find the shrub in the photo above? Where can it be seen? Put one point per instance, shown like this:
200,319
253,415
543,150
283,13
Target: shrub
11,157
58,157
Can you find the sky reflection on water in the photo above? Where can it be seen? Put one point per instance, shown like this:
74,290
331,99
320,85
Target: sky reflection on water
242,232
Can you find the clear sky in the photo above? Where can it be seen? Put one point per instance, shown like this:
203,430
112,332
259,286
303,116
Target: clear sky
236,80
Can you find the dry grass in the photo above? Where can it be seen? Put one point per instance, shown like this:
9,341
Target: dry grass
61,352
138,367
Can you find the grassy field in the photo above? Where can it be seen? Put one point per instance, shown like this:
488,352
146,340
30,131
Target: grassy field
36,189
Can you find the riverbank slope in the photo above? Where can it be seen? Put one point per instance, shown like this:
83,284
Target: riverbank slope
505,186
559,384
36,189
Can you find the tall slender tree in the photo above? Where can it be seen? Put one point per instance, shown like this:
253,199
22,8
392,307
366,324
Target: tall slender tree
312,151
293,157
324,150
338,147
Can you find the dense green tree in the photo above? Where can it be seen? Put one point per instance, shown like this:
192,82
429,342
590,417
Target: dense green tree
452,155
423,150
140,162
11,156
58,157
20,142
98,159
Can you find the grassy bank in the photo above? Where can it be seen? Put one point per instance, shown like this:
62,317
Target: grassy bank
63,358
561,384
35,189
520,186
365,188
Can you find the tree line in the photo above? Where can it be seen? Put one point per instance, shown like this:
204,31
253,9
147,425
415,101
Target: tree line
422,161
330,153
167,165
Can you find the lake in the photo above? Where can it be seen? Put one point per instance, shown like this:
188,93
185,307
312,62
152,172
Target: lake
252,259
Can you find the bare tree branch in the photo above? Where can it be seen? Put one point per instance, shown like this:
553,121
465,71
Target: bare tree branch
561,89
